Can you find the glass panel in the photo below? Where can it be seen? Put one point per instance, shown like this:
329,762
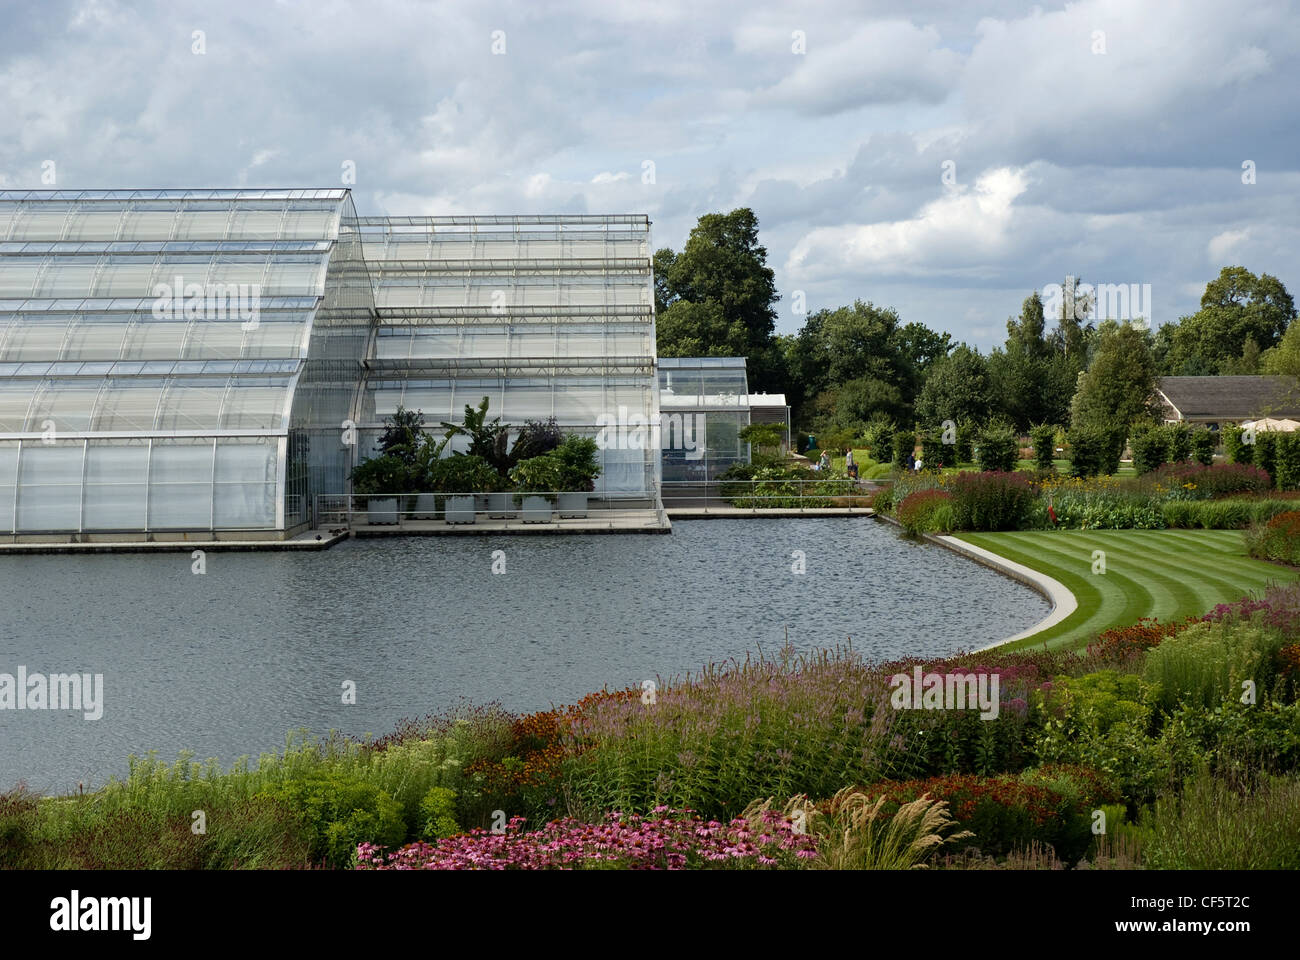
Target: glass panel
49,496
34,341
64,405
117,475
180,487
192,405
15,398
255,407
128,405
8,464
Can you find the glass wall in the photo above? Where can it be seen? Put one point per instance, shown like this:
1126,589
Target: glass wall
159,349
544,316
704,403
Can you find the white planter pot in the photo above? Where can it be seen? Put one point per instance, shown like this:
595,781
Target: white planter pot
501,506
426,507
460,509
573,505
382,510
536,510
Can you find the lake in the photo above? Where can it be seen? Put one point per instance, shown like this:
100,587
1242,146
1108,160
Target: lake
227,662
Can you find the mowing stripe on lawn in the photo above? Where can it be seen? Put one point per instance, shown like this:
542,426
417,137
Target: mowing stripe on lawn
1168,574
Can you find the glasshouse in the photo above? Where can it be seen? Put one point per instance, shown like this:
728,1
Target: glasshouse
180,362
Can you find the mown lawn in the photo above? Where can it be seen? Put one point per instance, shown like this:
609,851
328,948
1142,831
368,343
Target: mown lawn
1168,574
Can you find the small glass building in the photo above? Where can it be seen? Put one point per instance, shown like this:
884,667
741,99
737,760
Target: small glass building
709,398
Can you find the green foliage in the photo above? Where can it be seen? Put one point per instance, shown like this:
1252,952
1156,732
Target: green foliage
1216,825
1266,453
716,297
1095,451
487,439
904,444
934,452
340,812
760,435
438,812
462,473
956,388
999,447
403,435
1043,438
570,467
1234,449
1150,448
1287,461
1118,386
1180,442
991,501
964,448
1209,662
1237,306
1277,538
879,438
926,511
1203,444
385,474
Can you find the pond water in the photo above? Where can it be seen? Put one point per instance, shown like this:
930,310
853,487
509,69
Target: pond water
226,663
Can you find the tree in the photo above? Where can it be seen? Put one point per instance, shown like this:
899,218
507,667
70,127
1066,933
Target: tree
1118,386
1023,373
956,388
1237,306
1284,359
716,297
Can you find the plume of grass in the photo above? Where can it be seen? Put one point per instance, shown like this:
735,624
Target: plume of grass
855,834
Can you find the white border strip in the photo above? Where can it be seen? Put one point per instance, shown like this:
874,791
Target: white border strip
1062,600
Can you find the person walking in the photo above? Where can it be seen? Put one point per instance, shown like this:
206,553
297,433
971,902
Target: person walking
850,467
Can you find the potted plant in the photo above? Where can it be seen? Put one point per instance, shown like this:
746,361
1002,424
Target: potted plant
538,477
462,474
565,474
378,480
579,469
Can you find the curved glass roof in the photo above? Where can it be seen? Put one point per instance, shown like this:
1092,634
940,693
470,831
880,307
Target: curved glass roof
151,344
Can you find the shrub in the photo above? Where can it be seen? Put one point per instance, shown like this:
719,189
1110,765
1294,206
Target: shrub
1287,461
879,438
1093,452
1043,438
991,501
384,474
963,449
904,444
438,811
463,473
917,511
536,438
1210,661
1003,813
1203,444
339,813
1121,645
1266,453
1234,449
1150,449
998,448
1180,442
934,451
1278,539
1193,481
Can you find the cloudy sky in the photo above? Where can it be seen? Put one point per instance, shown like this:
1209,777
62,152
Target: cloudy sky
941,158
